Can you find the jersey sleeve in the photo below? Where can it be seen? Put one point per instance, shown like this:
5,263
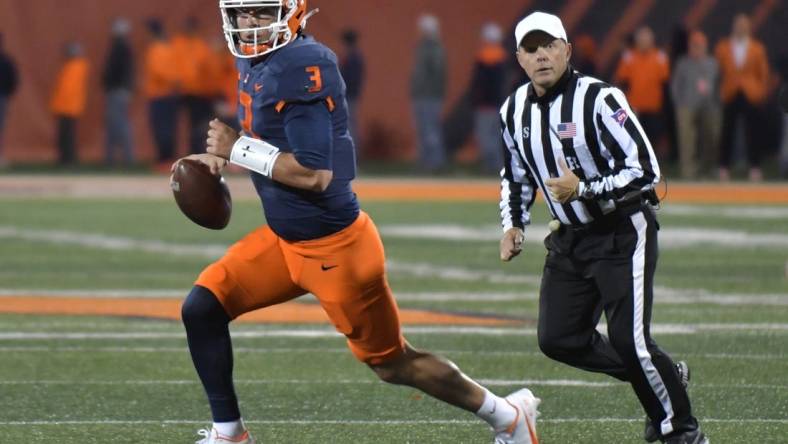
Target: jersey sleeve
308,128
636,168
313,79
518,187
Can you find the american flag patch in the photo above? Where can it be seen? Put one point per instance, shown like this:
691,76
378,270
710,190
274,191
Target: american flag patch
567,130
620,116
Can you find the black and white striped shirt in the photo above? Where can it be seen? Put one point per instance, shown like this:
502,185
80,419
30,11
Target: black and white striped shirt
589,124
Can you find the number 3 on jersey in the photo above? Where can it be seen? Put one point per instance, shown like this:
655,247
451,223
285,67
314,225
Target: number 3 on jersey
316,78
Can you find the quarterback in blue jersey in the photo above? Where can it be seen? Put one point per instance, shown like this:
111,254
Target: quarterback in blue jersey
296,144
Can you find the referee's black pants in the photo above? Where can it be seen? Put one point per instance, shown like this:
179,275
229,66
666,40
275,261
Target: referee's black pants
609,267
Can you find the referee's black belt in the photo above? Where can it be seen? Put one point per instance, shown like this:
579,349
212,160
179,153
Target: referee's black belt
610,221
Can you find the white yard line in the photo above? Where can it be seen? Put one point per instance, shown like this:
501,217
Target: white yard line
213,251
680,329
730,212
669,237
575,383
116,243
343,350
663,295
420,269
367,422
490,382
424,269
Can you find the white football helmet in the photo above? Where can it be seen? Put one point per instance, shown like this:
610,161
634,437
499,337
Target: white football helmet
291,16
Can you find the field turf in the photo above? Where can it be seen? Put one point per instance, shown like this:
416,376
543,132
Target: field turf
721,305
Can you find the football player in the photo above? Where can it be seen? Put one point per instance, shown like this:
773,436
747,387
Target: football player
296,144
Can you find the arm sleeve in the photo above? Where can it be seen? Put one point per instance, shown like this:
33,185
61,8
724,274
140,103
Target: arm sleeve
635,165
309,131
518,188
309,81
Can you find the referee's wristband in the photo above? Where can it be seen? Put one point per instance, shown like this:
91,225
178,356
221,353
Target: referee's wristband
584,191
254,154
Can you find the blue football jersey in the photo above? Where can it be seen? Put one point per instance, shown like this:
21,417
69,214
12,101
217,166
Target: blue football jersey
302,74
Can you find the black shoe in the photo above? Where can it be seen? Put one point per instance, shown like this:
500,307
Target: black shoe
684,373
650,434
693,437
682,369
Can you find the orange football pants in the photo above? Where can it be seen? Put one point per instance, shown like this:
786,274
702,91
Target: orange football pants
345,271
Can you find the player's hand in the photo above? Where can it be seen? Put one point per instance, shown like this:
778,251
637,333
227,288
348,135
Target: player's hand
215,163
221,139
511,243
563,188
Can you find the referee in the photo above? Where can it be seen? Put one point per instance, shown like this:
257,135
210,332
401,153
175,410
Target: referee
575,138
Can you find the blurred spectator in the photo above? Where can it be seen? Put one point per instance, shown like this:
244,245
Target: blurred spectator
118,82
8,85
745,71
161,85
782,70
68,101
428,88
352,68
584,55
225,83
643,71
693,89
679,41
194,58
487,94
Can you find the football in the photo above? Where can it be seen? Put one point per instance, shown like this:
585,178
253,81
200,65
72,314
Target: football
202,197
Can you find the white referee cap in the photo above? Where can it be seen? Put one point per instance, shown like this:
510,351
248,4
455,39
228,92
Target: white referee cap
540,21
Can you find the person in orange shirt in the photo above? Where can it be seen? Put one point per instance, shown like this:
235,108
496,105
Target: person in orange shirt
161,87
224,80
68,101
643,72
744,71
194,65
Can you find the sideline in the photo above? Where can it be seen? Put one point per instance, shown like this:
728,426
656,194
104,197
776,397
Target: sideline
367,188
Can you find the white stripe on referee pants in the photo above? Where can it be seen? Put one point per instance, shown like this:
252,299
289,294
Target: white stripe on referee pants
638,287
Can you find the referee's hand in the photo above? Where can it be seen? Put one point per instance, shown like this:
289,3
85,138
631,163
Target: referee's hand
512,243
564,187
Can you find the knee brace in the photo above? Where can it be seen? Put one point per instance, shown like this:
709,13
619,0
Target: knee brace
201,307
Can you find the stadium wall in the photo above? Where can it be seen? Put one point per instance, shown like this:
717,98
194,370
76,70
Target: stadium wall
36,31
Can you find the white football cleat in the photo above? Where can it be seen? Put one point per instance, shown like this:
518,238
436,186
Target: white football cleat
523,428
213,437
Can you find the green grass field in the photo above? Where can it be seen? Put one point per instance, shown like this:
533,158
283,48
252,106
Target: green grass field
722,305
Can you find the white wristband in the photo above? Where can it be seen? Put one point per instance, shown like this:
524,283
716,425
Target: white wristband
254,154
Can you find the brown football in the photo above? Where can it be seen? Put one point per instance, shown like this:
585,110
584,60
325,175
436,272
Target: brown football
202,197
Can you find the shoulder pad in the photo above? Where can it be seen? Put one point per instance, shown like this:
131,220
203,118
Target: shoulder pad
308,72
